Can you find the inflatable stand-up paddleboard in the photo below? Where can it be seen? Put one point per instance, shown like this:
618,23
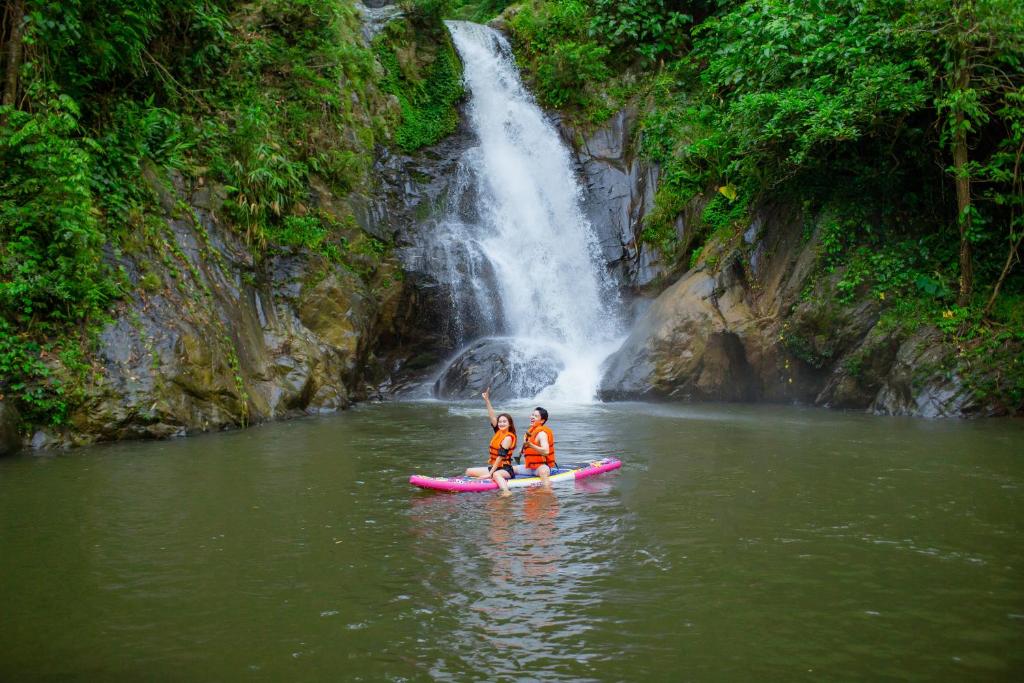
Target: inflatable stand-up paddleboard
563,473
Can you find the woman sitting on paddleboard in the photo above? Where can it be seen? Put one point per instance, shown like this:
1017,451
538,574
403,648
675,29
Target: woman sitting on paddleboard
501,447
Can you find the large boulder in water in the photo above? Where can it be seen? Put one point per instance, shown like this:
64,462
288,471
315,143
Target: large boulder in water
509,370
693,342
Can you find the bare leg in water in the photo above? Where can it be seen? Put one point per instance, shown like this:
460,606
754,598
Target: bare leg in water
544,472
501,477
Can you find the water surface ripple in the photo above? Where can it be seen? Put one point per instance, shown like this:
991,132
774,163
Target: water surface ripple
737,542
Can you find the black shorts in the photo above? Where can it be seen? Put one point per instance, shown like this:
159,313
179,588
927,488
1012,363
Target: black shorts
508,468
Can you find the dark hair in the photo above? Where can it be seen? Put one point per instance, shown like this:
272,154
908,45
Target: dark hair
543,413
511,423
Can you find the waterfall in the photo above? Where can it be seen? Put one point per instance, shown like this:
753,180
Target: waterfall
521,256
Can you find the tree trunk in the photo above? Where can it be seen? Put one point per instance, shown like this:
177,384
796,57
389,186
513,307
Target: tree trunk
963,205
961,81
14,48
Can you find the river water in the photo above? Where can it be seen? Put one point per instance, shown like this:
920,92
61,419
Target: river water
736,543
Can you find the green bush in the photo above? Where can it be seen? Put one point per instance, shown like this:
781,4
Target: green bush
50,237
648,29
428,100
564,73
480,12
568,66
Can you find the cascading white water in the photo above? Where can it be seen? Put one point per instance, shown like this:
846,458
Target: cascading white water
554,293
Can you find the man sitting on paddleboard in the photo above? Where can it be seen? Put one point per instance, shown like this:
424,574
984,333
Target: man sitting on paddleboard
539,447
502,446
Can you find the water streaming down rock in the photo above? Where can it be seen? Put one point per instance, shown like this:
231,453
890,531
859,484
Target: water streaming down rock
522,259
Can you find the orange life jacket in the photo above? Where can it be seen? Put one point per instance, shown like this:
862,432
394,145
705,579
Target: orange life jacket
535,458
499,436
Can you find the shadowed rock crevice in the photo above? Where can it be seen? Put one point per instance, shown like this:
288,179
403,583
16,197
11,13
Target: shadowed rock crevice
10,437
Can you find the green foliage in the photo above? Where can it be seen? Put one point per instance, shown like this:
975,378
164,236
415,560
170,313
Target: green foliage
564,59
255,98
24,376
264,180
427,94
138,133
797,86
50,237
309,232
288,116
427,13
724,215
848,104
480,12
895,270
778,96
567,69
96,46
338,242
651,29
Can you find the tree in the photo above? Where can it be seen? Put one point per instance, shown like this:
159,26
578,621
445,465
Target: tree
980,53
14,15
962,107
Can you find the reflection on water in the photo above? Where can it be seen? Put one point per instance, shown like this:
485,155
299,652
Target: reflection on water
736,542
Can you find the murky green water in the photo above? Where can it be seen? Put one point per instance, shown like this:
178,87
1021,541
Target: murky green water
737,543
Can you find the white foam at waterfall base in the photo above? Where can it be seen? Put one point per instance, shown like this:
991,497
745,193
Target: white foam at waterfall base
552,285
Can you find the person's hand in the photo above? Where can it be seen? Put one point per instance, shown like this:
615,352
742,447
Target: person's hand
487,394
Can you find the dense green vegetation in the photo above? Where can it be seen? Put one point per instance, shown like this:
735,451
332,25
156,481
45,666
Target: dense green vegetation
896,127
255,99
902,121
427,86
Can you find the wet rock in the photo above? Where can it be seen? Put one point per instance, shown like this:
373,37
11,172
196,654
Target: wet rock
332,310
223,342
618,192
46,438
693,342
376,14
925,382
10,424
862,373
508,370
444,301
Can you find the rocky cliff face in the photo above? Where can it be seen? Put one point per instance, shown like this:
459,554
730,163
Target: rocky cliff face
210,338
741,326
756,319
618,192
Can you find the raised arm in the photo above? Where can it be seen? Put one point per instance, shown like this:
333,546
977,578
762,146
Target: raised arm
493,416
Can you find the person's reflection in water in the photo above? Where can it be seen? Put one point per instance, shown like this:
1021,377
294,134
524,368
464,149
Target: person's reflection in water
500,522
531,542
539,535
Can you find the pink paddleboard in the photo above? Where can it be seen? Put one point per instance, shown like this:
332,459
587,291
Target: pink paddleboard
561,474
